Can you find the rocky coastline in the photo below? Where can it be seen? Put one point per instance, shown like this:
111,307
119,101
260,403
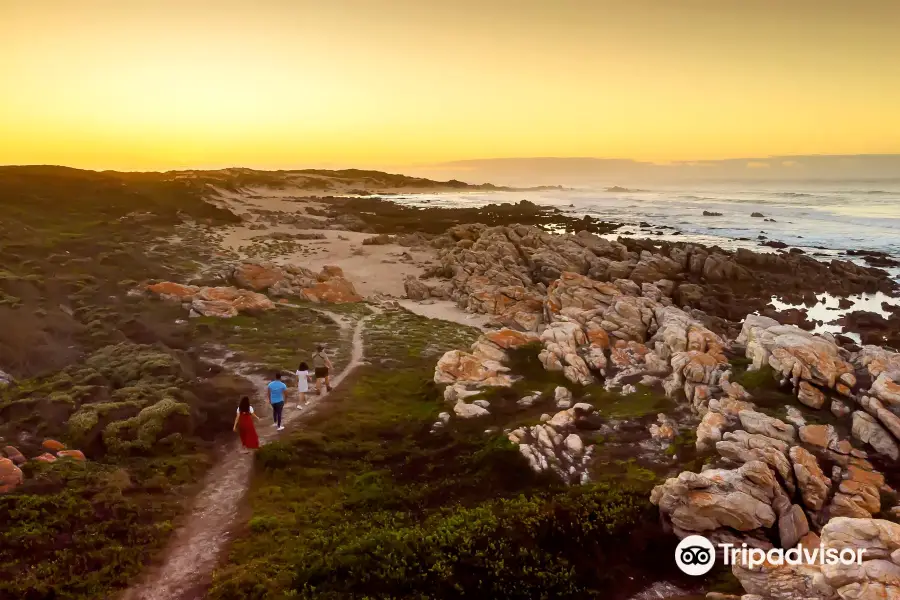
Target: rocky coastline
666,315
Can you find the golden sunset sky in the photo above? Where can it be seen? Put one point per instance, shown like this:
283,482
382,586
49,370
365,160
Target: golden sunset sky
160,84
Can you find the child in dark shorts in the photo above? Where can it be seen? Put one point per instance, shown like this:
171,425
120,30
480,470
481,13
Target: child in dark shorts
321,369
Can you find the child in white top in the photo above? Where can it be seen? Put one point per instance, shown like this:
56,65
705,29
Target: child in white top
302,383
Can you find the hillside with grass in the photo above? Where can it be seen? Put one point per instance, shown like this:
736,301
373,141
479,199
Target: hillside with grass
367,501
118,376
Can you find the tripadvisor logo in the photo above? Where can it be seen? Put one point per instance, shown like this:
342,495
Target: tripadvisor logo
696,555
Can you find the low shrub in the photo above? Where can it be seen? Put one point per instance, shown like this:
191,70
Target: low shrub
79,530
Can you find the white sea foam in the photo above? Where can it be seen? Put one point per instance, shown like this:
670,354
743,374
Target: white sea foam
823,219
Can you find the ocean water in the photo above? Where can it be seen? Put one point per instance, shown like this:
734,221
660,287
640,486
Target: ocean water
823,219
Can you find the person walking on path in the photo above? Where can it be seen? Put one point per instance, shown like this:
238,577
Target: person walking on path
322,366
302,383
243,423
275,390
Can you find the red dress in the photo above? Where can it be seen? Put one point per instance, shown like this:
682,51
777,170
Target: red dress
248,431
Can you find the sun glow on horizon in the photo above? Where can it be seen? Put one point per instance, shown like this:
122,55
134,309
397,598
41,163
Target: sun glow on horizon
280,84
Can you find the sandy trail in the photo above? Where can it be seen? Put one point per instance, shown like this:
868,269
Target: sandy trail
197,547
445,310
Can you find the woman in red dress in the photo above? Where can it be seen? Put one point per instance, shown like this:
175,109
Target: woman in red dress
243,423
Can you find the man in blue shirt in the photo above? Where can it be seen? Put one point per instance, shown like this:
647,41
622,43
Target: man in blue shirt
276,391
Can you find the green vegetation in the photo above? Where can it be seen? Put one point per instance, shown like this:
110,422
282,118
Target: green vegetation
77,530
122,399
366,502
69,237
101,370
276,340
760,379
405,336
644,402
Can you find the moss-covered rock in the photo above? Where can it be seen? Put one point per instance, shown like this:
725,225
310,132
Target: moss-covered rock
141,433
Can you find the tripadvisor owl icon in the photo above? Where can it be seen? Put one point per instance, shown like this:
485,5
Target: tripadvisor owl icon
695,555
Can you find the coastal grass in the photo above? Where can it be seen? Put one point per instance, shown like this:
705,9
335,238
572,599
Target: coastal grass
275,340
367,502
102,370
81,530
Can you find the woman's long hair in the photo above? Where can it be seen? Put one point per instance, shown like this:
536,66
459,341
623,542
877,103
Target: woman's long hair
245,405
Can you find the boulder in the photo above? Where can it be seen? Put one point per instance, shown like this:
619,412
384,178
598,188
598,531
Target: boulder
214,308
664,430
742,447
795,354
867,430
251,302
457,366
733,389
783,582
795,417
221,302
810,395
335,290
173,292
739,499
485,349
821,436
73,454
13,454
679,332
459,391
887,388
888,419
546,449
10,476
563,397
710,430
562,341
757,422
839,409
858,494
258,276
509,339
469,411
814,485
792,526
53,445
877,577
877,360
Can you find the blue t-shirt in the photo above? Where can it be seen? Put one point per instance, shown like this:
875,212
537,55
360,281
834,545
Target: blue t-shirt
276,388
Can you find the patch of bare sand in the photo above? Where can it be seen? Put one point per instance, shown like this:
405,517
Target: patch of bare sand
287,200
377,270
446,311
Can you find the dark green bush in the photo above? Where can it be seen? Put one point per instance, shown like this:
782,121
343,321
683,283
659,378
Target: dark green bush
76,530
